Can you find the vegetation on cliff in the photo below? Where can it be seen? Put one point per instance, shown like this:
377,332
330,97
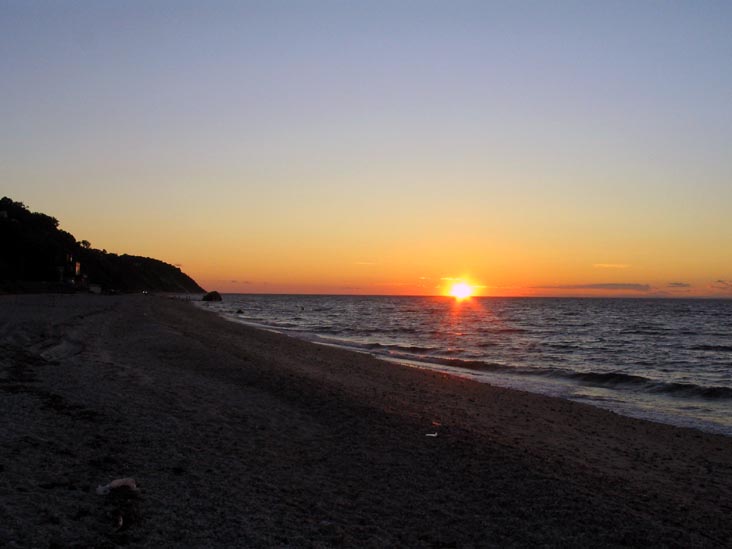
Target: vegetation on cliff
35,255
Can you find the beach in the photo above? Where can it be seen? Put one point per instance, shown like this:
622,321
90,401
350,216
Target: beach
239,437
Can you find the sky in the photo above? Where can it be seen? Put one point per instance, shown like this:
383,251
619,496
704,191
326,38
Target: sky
527,148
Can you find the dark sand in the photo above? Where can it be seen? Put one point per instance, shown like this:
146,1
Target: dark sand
243,438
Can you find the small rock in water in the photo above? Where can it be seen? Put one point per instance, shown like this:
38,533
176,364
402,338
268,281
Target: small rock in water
212,296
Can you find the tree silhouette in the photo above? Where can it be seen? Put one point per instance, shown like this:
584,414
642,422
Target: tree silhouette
35,255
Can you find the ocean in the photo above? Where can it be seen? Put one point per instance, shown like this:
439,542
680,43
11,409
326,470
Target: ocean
667,360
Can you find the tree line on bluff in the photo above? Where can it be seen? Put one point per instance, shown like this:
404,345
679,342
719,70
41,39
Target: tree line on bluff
35,255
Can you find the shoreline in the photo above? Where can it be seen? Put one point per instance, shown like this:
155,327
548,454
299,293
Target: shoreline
635,405
237,436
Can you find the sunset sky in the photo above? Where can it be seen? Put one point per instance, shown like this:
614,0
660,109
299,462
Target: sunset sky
530,148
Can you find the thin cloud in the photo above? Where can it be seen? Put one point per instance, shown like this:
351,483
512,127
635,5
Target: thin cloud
608,287
365,263
610,266
679,285
724,285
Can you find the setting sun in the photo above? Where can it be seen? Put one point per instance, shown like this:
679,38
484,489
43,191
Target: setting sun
461,290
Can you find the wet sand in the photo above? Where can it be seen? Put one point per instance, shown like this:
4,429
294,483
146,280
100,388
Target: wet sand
244,438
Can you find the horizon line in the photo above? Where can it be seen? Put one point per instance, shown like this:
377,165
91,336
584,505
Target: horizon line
701,297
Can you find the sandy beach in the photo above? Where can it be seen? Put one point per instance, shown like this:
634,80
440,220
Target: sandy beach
244,438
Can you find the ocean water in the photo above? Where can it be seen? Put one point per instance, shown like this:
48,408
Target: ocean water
664,360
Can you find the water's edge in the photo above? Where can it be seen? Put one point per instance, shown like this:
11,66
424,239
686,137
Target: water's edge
543,383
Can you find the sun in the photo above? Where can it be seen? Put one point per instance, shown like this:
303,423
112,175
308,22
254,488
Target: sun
461,290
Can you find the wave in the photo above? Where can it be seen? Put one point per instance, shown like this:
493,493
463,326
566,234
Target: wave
503,331
615,379
426,356
651,332
606,378
716,348
327,329
692,390
563,346
401,330
473,364
283,325
601,379
404,348
262,325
